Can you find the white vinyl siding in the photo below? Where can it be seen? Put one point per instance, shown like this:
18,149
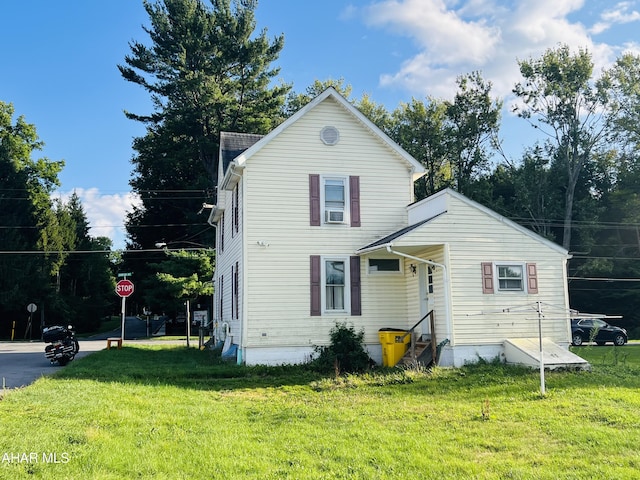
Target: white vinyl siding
276,183
473,237
228,285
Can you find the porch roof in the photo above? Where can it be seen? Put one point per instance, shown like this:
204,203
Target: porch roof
383,242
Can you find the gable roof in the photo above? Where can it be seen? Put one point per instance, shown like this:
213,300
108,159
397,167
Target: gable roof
332,93
435,199
233,144
502,219
388,240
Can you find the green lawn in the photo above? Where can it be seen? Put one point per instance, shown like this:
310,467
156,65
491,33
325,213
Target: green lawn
170,412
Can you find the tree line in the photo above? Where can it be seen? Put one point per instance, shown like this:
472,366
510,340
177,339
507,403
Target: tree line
207,70
47,256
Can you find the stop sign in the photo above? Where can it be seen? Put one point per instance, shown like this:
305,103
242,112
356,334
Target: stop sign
124,288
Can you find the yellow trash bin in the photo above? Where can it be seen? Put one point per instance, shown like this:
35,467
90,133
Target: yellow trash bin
394,345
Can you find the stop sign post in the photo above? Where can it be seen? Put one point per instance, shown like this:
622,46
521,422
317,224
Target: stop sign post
124,288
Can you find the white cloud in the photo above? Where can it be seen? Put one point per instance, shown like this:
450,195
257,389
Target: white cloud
441,32
456,37
105,213
621,13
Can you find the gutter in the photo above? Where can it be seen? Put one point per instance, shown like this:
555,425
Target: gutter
228,181
445,276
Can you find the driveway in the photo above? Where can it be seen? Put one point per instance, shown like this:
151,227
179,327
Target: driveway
23,362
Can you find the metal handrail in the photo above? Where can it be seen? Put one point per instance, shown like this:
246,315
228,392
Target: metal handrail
433,336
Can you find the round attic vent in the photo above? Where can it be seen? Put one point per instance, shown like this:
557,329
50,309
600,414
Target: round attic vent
329,135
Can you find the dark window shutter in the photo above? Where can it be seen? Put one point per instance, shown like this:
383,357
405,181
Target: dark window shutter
233,216
316,286
354,273
487,277
236,282
314,200
354,197
233,292
222,232
221,294
532,278
236,209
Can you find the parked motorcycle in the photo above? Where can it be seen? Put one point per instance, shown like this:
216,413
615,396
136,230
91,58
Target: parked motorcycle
63,344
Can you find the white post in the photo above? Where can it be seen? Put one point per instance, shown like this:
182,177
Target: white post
188,324
123,310
542,388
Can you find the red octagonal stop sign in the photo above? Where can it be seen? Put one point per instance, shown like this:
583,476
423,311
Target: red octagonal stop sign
124,288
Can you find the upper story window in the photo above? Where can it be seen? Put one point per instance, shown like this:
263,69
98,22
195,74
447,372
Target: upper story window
235,200
335,196
221,228
334,199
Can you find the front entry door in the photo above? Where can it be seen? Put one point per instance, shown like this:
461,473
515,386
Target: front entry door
425,279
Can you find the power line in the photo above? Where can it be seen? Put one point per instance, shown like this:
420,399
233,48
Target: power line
73,252
120,226
605,279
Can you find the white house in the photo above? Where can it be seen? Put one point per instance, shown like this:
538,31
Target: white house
316,225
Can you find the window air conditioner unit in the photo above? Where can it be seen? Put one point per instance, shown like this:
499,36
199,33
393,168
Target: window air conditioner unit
334,216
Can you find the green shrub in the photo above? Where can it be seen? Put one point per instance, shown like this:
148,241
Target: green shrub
346,352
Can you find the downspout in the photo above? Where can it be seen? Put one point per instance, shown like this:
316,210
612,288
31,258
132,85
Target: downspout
445,276
242,357
213,319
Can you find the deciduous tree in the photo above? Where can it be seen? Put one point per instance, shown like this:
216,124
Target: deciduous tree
27,220
420,128
473,122
560,98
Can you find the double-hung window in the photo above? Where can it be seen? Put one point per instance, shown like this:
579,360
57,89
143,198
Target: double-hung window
335,281
510,278
334,199
335,190
335,285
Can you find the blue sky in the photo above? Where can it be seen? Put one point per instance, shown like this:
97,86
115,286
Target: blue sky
59,66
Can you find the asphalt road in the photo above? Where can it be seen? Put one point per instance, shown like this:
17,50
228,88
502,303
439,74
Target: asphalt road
23,362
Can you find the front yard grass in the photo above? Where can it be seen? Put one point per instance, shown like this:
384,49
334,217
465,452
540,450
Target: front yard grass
170,412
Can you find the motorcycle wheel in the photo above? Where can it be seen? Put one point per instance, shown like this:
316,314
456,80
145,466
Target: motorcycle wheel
62,361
